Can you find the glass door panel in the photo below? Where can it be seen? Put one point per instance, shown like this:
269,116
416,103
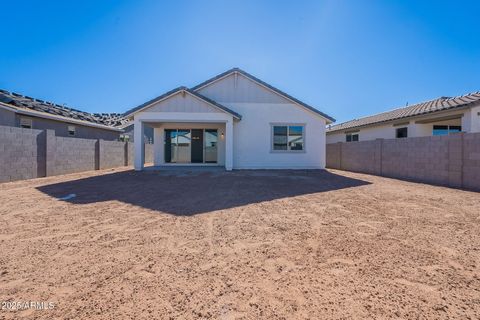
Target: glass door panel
170,145
183,146
211,142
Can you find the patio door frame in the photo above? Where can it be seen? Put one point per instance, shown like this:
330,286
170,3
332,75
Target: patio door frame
204,141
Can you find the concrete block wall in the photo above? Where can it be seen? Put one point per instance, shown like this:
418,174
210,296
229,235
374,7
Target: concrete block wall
148,153
131,153
30,153
452,160
334,155
22,153
471,160
112,154
72,155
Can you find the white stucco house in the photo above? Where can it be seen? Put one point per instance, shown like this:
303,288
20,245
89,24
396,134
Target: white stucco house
233,120
440,116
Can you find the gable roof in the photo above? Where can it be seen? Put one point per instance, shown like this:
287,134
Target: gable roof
39,108
170,93
264,84
423,108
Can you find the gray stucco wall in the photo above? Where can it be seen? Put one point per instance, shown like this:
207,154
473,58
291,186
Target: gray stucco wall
147,133
7,117
61,129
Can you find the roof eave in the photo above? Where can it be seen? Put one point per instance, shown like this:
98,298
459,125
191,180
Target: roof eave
373,124
129,114
43,115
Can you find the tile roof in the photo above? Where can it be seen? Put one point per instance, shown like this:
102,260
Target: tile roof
248,75
176,90
427,107
21,102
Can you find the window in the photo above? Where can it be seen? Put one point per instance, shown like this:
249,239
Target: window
288,138
26,123
402,132
71,130
352,137
440,130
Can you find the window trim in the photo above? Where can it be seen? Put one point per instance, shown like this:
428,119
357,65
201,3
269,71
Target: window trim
396,132
449,131
74,130
352,134
27,119
288,124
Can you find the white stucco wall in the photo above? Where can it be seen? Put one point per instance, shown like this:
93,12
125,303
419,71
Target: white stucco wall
252,138
260,108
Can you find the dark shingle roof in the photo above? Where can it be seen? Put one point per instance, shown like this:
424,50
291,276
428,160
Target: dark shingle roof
111,119
431,106
248,75
22,102
179,89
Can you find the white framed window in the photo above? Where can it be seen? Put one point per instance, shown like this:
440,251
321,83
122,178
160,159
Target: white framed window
351,137
71,130
288,137
401,132
26,123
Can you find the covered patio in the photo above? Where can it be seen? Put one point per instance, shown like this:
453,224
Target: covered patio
180,143
189,130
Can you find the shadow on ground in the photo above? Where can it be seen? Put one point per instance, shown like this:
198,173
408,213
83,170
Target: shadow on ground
188,192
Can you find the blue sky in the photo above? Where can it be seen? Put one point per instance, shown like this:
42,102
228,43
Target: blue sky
346,58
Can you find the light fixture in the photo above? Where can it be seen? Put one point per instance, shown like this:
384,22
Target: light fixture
223,136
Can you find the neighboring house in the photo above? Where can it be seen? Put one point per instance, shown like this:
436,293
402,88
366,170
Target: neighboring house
128,135
233,120
21,111
440,116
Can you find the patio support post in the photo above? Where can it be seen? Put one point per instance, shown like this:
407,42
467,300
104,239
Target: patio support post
158,146
139,145
229,145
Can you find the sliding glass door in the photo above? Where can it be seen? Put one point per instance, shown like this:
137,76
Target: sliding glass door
211,142
191,145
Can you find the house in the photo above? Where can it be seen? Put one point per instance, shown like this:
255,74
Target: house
440,116
233,120
17,110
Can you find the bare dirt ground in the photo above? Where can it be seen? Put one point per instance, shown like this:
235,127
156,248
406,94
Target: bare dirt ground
239,245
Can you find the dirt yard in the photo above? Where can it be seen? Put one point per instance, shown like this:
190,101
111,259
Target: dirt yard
239,245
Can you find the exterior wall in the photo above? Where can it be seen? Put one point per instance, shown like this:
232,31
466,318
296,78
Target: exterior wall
471,120
7,117
182,102
22,153
240,89
61,129
147,133
112,154
31,153
452,160
72,155
252,136
468,118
